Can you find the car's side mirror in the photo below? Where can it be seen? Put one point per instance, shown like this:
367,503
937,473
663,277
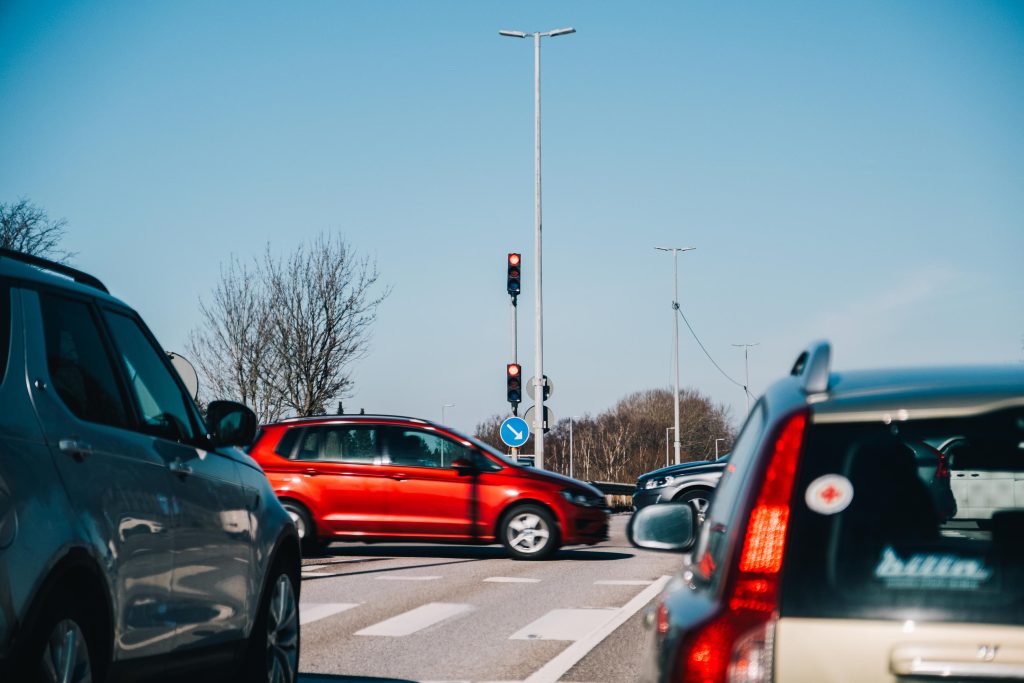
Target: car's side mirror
463,465
663,526
230,423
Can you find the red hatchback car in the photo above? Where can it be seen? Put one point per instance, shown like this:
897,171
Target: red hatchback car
374,478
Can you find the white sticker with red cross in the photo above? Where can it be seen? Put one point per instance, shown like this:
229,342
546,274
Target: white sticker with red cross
829,494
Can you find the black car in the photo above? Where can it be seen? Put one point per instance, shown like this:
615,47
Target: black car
688,482
826,554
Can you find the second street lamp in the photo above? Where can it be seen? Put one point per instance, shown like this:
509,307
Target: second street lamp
538,334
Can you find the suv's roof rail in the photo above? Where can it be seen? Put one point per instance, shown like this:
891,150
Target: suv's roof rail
46,264
813,367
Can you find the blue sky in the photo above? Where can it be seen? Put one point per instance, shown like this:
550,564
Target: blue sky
851,171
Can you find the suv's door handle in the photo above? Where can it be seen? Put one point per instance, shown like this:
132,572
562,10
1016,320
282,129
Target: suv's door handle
180,467
75,448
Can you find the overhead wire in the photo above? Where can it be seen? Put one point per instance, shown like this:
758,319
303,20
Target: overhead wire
702,348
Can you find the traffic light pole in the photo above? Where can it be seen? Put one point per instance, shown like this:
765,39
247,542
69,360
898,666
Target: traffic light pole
515,343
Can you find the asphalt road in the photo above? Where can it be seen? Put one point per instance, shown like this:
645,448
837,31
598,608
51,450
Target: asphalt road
404,612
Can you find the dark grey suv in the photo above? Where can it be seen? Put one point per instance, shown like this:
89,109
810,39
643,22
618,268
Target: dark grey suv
136,541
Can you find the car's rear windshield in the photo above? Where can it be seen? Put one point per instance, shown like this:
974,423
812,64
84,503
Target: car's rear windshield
915,520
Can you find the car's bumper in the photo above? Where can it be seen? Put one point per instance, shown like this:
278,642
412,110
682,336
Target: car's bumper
645,497
586,525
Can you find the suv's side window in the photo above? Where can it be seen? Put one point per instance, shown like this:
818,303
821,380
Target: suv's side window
716,532
159,397
416,448
5,326
80,368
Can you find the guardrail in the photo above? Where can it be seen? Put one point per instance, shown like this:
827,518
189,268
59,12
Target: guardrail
619,496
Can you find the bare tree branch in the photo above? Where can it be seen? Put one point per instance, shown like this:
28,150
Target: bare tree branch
26,228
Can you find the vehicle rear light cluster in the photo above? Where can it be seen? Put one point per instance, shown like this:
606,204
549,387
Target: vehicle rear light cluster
942,471
737,645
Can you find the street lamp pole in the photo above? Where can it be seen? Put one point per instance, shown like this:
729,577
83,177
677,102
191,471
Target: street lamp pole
716,447
446,405
667,429
675,335
746,364
538,325
571,418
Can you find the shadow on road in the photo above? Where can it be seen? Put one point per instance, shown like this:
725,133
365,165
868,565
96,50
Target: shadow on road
463,552
326,678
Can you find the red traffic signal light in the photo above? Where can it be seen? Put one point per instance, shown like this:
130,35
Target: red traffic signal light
513,383
513,285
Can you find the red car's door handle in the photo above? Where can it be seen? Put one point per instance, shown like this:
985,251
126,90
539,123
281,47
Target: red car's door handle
399,476
311,472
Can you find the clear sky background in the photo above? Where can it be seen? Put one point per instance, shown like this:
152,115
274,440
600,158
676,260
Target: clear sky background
852,171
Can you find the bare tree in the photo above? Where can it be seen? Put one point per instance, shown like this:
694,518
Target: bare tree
233,348
322,305
26,228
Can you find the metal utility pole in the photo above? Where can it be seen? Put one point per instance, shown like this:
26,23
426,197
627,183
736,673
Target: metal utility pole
538,434
571,418
746,363
675,334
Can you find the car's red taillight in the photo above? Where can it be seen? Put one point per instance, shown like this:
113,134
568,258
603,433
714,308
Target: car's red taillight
736,645
942,471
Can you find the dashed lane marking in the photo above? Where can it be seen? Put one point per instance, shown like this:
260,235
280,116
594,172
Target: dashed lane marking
318,611
415,620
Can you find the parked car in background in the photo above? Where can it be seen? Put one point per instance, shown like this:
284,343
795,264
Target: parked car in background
824,555
981,485
136,541
373,478
692,483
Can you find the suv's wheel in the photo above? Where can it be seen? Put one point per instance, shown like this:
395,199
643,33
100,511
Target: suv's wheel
66,647
529,532
698,500
311,545
272,655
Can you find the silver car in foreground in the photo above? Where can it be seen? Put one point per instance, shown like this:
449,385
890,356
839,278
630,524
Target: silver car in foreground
137,542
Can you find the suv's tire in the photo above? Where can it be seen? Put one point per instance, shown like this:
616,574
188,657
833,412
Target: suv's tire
529,532
68,639
311,544
272,653
698,500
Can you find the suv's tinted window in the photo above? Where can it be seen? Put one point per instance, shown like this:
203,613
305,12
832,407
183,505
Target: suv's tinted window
334,443
80,368
159,397
5,326
891,551
412,447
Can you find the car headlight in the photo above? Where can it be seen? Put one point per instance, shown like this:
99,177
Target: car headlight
659,482
581,499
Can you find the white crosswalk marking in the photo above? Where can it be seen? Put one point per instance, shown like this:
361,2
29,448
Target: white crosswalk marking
624,582
415,620
510,579
565,624
316,612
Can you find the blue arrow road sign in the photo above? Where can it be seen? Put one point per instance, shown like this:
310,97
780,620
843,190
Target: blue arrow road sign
515,431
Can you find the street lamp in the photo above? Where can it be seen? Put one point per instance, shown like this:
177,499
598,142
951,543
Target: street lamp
746,363
538,331
675,336
571,418
446,405
716,447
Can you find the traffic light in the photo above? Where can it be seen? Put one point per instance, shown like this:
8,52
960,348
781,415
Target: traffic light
514,382
513,275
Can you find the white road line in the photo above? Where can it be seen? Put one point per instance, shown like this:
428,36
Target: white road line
316,612
510,579
628,582
557,667
415,620
565,624
407,578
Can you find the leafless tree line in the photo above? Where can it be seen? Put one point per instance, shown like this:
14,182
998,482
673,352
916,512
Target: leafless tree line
26,228
629,439
280,334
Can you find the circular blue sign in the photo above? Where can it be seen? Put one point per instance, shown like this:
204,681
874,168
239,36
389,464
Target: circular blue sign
514,432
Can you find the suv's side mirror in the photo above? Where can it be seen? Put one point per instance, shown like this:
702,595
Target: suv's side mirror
230,423
663,526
